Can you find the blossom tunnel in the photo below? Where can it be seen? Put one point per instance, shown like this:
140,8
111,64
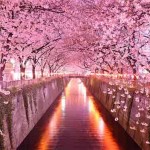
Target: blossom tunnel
105,43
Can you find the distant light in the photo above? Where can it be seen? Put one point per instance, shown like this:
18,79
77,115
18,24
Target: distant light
12,61
63,103
16,75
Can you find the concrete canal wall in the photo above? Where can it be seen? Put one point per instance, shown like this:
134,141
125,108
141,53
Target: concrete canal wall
22,108
129,106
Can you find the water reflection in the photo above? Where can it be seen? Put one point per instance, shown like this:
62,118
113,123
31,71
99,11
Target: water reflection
63,103
50,131
76,123
100,127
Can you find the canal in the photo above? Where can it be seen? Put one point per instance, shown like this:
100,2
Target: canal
77,122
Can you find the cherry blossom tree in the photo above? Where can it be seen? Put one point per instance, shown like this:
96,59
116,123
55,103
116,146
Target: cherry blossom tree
22,27
121,38
112,35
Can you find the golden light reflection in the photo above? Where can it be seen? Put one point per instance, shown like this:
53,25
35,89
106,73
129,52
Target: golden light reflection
74,99
82,90
101,126
51,129
98,125
63,103
67,89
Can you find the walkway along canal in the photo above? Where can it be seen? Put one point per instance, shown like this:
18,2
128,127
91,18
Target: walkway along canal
76,122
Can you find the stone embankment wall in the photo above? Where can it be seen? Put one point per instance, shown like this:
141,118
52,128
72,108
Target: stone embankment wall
22,108
129,106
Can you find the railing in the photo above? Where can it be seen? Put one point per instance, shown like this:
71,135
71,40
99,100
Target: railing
21,83
139,82
127,81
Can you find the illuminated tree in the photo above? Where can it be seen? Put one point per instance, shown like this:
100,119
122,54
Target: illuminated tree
23,33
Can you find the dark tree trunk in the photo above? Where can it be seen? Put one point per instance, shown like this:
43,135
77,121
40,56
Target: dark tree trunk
134,73
121,70
33,72
1,74
22,72
132,62
42,72
50,71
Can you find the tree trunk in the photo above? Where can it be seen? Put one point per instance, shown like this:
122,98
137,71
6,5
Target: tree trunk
50,71
42,72
121,70
33,72
22,72
134,73
1,72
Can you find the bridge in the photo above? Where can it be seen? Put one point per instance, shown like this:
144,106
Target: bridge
76,76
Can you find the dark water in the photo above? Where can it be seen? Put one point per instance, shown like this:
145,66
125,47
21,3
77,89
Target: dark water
77,122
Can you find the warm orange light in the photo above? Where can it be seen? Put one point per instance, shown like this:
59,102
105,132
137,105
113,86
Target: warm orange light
82,90
51,129
63,103
98,124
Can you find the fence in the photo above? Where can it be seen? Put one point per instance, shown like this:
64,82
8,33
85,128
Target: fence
21,83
